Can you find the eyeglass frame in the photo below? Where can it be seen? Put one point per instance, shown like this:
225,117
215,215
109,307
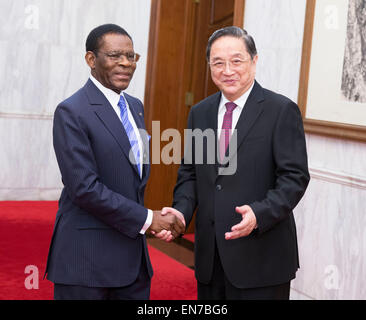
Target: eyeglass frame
120,55
230,62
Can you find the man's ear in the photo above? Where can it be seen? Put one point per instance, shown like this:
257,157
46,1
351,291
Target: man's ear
90,59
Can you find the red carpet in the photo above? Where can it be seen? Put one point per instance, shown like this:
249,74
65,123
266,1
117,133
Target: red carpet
189,236
25,233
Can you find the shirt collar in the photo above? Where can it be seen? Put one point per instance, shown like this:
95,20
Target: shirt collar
240,102
111,96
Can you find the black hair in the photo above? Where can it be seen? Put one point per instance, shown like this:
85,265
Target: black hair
94,37
235,32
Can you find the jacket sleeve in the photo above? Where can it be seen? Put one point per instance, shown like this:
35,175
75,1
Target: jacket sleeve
292,176
81,180
185,195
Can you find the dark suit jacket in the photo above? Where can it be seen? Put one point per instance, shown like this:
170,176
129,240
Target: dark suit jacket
96,240
271,177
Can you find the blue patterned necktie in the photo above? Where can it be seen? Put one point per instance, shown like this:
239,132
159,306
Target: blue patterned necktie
130,132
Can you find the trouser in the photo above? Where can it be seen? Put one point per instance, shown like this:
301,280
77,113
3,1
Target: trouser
220,288
138,290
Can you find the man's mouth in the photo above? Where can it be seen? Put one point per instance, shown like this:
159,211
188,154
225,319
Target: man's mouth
123,76
229,81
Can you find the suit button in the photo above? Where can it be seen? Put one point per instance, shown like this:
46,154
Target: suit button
219,187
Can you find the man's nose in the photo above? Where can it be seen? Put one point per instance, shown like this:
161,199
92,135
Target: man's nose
124,61
228,68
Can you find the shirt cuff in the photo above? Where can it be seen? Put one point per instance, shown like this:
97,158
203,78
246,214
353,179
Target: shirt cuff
147,222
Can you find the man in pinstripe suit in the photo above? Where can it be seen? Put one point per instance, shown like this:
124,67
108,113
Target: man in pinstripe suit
98,249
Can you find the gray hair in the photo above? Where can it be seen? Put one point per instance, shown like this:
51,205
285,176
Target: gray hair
235,32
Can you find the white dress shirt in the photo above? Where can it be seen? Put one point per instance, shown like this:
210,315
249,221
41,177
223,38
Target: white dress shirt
113,99
240,102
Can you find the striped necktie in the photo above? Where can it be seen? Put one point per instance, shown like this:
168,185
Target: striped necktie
130,132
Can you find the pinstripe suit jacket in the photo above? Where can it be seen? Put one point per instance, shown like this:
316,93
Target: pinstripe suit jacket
96,240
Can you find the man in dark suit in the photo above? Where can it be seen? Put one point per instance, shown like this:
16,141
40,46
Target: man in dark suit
245,235
98,249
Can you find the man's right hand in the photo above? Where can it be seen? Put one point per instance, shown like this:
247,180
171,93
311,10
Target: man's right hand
164,234
169,222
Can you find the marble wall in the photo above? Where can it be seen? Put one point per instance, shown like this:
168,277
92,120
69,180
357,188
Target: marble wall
278,38
331,217
42,48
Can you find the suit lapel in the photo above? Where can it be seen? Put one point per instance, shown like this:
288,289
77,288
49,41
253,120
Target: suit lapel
139,120
138,116
252,110
250,113
212,116
107,115
212,113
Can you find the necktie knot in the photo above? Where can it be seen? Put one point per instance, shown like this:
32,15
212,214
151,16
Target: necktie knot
230,106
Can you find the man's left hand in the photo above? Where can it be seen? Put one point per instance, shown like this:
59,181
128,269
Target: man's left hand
246,225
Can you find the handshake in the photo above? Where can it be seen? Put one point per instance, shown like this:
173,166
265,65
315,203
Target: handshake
167,224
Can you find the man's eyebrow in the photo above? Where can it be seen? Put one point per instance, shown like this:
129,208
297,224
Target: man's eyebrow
120,51
216,58
235,55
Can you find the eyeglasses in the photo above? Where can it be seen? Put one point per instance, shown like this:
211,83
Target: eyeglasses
220,65
118,56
